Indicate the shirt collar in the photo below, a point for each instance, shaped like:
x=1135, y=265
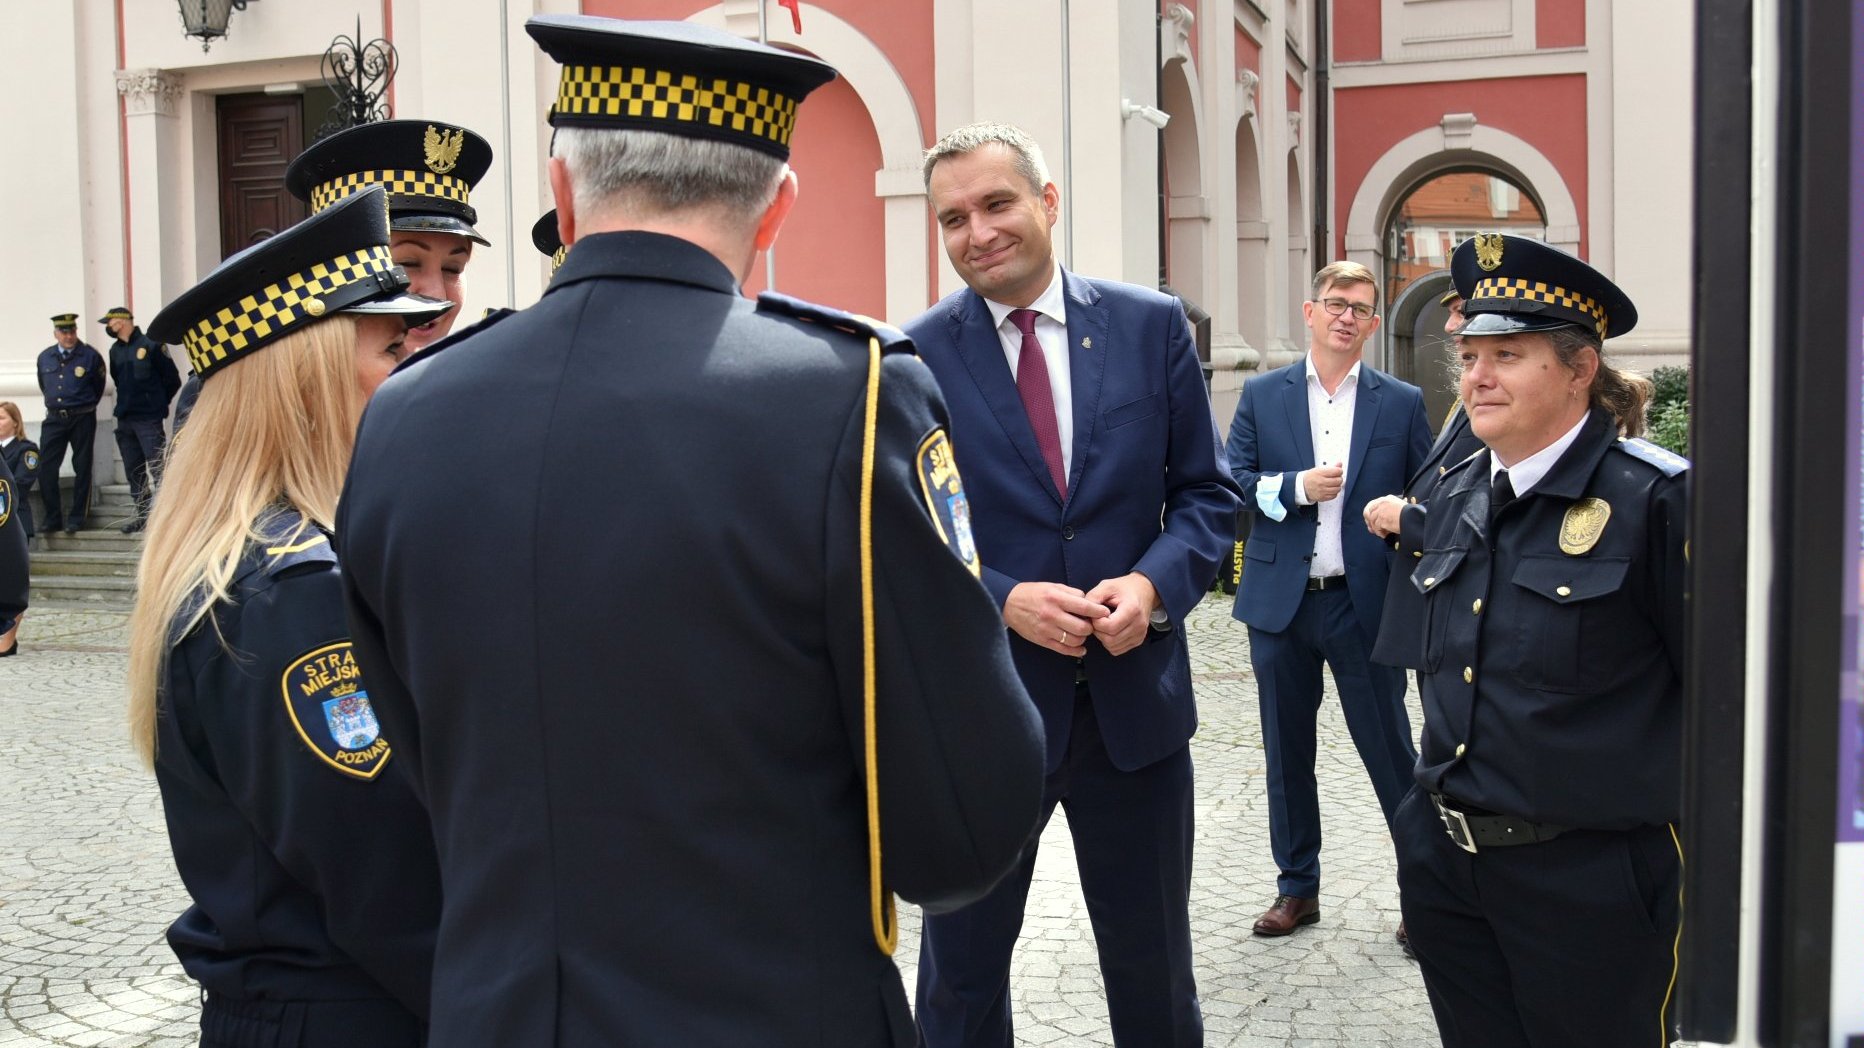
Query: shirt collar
x=1523, y=475
x=1352, y=373
x=1051, y=303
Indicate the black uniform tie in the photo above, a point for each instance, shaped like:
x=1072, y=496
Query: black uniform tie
x=1501, y=493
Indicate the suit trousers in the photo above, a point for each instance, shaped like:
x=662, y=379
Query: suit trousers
x=1132, y=837
x=1288, y=688
x=140, y=440
x=78, y=432
x=1565, y=942
x=230, y=1023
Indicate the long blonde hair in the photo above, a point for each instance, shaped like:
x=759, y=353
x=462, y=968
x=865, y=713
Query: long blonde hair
x=275, y=429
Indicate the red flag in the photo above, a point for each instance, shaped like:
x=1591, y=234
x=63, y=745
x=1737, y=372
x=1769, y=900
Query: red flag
x=796, y=14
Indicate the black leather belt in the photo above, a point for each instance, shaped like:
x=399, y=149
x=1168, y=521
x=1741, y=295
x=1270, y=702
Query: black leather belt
x=73, y=412
x=1471, y=832
x=1080, y=672
x=1325, y=582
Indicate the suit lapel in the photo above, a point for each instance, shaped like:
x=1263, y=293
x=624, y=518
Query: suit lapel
x=1088, y=346
x=981, y=349
x=1294, y=401
x=1365, y=420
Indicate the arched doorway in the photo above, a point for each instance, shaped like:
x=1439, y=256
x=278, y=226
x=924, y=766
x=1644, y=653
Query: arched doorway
x=1433, y=216
x=1187, y=215
x=1252, y=240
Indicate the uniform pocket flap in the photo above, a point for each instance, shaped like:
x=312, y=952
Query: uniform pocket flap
x=1435, y=568
x=1567, y=580
x=1259, y=549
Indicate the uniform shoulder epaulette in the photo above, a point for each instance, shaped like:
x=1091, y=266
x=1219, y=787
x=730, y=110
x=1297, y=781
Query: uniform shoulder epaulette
x=287, y=540
x=1462, y=464
x=892, y=339
x=1656, y=454
x=492, y=316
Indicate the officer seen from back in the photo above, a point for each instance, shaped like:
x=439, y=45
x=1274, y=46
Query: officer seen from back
x=748, y=681
x=146, y=380
x=1538, y=860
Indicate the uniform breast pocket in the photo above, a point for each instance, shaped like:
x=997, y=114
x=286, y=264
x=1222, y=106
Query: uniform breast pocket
x=1433, y=574
x=1131, y=411
x=1571, y=629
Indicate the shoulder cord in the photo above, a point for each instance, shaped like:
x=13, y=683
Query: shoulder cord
x=880, y=900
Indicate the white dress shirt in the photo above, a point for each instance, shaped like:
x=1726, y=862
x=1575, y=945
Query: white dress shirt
x=1330, y=423
x=1523, y=475
x=1052, y=333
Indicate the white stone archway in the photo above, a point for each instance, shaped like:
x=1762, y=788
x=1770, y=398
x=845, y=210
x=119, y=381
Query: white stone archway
x=1458, y=142
x=896, y=123
x=1187, y=206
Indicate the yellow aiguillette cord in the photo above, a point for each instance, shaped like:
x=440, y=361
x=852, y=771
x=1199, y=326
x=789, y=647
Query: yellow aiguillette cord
x=880, y=901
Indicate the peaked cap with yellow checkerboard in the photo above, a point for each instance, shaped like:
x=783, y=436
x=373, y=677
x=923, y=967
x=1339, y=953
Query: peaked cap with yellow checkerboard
x=1515, y=284
x=428, y=168
x=335, y=261
x=676, y=77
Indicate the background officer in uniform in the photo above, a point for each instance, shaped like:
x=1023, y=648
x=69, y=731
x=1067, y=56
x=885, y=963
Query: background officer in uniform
x=309, y=862
x=429, y=169
x=146, y=380
x=652, y=799
x=1538, y=861
x=71, y=376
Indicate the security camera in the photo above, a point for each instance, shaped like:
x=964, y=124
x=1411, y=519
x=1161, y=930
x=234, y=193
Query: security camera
x=1156, y=117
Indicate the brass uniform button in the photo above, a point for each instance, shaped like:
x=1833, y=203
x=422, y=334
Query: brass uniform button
x=1477, y=609
x=1429, y=582
x=1461, y=749
x=1564, y=591
x=1469, y=674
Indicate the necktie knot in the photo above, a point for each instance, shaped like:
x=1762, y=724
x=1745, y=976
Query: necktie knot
x=1025, y=320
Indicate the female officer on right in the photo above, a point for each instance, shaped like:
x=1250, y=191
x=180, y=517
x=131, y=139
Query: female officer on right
x=1538, y=860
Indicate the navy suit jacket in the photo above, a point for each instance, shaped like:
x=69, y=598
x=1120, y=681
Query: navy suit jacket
x=1271, y=434
x=1148, y=491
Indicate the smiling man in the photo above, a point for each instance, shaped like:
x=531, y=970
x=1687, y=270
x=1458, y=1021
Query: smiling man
x=1307, y=441
x=1101, y=504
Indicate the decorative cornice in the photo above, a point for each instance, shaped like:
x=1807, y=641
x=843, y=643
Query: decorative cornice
x=1175, y=34
x=149, y=91
x=1294, y=129
x=1457, y=129
x=1246, y=81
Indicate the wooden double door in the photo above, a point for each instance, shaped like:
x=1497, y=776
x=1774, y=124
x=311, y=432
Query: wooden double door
x=260, y=135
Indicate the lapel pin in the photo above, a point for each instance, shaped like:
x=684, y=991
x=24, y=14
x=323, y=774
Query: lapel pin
x=1087, y=343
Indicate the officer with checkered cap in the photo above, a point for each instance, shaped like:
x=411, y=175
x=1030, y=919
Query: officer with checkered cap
x=308, y=860
x=429, y=169
x=749, y=683
x=1539, y=862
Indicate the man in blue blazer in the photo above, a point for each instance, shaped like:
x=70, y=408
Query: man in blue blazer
x=1311, y=443
x=1101, y=504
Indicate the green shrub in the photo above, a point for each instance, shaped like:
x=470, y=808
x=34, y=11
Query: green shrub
x=1669, y=426
x=1670, y=386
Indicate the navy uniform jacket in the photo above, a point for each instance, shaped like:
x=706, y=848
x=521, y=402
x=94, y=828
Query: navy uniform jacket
x=74, y=382
x=1553, y=664
x=146, y=378
x=22, y=460
x=14, y=581
x=310, y=863
x=627, y=663
x=1401, y=625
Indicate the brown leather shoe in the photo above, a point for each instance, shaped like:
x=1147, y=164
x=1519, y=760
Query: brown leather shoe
x=1286, y=914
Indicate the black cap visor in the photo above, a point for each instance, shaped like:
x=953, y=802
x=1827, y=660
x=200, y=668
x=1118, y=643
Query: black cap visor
x=405, y=223
x=415, y=309
x=1510, y=324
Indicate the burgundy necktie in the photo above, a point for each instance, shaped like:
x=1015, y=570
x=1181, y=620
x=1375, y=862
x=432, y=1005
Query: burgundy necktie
x=1032, y=383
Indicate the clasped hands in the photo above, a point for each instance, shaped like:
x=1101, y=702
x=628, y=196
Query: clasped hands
x=1061, y=618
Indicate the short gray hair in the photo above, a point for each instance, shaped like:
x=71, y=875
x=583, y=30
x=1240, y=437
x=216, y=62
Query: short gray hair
x=973, y=137
x=654, y=174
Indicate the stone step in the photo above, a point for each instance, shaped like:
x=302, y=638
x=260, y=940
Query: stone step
x=84, y=590
x=91, y=540
x=110, y=563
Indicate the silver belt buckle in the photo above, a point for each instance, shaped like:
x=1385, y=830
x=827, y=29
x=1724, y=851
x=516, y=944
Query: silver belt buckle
x=1456, y=824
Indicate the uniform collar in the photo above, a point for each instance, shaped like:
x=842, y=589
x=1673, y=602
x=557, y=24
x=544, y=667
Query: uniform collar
x=646, y=256
x=1525, y=474
x=1568, y=476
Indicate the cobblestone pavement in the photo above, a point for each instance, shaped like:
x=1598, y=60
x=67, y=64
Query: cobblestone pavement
x=87, y=885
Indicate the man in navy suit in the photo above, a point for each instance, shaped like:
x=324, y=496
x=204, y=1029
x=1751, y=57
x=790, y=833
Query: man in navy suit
x=1310, y=440
x=1101, y=505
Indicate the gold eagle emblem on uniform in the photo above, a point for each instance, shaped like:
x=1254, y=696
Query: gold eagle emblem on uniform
x=1583, y=524
x=442, y=148
x=1489, y=251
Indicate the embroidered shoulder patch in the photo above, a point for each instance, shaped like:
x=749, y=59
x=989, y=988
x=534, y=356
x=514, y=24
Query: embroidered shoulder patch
x=32, y=460
x=944, y=492
x=327, y=704
x=6, y=502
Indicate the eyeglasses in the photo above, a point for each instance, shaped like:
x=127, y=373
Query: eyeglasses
x=1337, y=306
